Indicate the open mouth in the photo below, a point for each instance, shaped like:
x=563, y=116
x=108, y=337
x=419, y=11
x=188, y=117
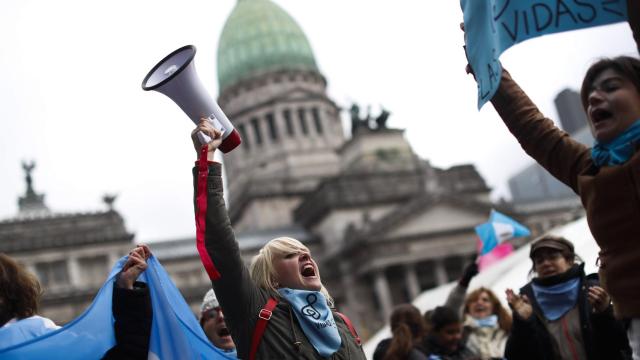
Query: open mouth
x=224, y=332
x=308, y=271
x=598, y=115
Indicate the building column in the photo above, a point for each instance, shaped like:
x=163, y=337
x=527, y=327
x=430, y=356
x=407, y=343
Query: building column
x=383, y=293
x=440, y=272
x=353, y=308
x=74, y=272
x=411, y=279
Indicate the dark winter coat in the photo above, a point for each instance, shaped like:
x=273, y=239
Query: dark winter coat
x=603, y=336
x=133, y=314
x=241, y=299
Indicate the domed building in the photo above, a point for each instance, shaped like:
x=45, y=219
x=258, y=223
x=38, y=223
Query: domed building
x=383, y=223
x=271, y=88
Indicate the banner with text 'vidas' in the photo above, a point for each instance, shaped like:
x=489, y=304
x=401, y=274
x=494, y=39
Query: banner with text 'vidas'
x=493, y=26
x=175, y=331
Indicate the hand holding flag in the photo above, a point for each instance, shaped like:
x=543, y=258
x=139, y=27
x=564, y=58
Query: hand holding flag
x=493, y=26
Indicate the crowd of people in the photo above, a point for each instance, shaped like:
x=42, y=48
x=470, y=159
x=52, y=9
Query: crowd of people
x=278, y=308
x=560, y=314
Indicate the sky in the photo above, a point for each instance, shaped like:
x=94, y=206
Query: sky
x=70, y=95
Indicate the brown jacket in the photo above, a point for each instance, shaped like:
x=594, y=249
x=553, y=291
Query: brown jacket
x=610, y=195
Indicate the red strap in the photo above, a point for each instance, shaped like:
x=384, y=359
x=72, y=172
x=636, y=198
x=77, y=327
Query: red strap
x=351, y=328
x=201, y=214
x=263, y=319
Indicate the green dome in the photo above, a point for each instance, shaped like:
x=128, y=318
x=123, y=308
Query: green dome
x=260, y=36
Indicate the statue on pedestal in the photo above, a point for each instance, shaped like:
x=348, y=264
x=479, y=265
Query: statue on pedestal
x=368, y=122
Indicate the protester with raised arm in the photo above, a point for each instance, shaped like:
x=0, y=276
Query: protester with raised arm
x=279, y=309
x=606, y=176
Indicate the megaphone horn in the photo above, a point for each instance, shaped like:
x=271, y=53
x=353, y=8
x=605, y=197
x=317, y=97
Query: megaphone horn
x=176, y=77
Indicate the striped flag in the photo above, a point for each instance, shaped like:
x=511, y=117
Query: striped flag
x=497, y=230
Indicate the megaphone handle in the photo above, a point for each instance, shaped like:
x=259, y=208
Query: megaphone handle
x=204, y=138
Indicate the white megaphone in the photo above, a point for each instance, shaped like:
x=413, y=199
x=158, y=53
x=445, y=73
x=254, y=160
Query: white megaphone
x=176, y=77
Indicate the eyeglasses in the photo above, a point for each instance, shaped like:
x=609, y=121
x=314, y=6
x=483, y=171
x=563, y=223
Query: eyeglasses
x=212, y=313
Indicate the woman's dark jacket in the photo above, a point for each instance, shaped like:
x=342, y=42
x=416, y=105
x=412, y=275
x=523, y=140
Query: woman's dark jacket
x=242, y=299
x=603, y=336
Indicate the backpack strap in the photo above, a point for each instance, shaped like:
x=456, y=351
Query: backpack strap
x=350, y=326
x=263, y=319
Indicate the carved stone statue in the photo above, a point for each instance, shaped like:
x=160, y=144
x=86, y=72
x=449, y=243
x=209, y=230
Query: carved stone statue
x=381, y=120
x=355, y=118
x=367, y=121
x=109, y=199
x=31, y=202
x=28, y=168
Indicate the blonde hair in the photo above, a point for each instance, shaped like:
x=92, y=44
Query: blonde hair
x=263, y=271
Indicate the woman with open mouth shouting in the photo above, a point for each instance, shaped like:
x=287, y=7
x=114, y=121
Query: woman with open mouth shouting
x=606, y=176
x=277, y=309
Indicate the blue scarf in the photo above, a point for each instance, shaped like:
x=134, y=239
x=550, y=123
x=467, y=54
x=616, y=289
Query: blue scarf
x=489, y=321
x=557, y=300
x=315, y=318
x=619, y=150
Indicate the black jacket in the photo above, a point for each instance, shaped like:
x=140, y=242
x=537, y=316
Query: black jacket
x=133, y=314
x=604, y=337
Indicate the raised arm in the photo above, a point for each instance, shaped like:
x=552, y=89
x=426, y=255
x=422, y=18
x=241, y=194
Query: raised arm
x=457, y=296
x=132, y=309
x=238, y=295
x=551, y=147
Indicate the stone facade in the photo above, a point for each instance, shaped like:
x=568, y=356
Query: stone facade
x=71, y=254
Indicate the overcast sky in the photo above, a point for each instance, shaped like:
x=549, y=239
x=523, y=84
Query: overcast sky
x=70, y=95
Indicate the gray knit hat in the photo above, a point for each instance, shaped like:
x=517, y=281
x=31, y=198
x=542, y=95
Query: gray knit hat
x=209, y=302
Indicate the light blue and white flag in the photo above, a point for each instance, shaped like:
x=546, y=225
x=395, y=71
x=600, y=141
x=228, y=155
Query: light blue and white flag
x=493, y=26
x=175, y=332
x=499, y=229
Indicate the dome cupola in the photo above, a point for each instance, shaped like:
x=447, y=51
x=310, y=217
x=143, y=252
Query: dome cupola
x=258, y=37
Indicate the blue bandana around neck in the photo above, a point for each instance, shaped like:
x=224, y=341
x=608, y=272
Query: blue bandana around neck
x=619, y=150
x=489, y=321
x=315, y=318
x=557, y=300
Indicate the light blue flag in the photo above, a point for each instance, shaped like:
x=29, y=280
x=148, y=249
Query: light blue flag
x=498, y=229
x=175, y=332
x=493, y=26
